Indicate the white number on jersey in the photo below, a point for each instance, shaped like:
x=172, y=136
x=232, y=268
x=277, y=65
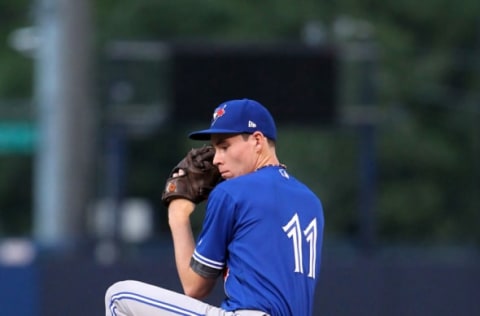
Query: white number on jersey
x=294, y=232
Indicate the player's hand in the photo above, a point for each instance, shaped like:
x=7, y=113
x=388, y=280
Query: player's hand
x=180, y=207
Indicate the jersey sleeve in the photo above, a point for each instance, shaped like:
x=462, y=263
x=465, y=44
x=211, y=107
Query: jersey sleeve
x=210, y=255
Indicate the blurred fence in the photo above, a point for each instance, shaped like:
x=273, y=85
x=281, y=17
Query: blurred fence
x=398, y=284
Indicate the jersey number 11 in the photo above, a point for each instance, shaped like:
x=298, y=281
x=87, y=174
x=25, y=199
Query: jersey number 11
x=295, y=233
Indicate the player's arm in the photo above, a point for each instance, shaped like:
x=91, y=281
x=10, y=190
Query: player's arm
x=193, y=284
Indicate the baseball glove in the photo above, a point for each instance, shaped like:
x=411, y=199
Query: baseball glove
x=193, y=178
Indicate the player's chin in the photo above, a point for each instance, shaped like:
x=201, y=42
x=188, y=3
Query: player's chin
x=226, y=175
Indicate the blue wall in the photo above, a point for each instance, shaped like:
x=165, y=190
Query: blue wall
x=19, y=290
x=399, y=285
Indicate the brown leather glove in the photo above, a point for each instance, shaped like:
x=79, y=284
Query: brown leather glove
x=197, y=180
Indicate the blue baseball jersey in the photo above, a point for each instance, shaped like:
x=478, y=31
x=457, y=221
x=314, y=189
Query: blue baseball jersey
x=264, y=232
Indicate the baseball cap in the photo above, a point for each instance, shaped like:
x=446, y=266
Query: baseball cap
x=239, y=116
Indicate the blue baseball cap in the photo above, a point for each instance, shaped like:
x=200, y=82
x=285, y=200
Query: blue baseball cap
x=239, y=116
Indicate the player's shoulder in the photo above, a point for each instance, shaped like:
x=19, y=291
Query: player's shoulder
x=229, y=191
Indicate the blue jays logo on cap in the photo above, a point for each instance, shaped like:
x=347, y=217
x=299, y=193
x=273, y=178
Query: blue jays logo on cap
x=219, y=112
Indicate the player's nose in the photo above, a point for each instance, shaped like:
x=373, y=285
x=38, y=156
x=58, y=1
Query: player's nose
x=216, y=159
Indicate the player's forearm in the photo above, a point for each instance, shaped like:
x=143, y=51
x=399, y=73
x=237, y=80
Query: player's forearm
x=179, y=220
x=184, y=245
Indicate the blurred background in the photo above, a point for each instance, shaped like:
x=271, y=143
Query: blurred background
x=378, y=110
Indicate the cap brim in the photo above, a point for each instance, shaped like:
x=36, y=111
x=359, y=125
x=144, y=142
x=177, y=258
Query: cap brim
x=207, y=133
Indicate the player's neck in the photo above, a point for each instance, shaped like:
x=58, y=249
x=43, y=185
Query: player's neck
x=269, y=160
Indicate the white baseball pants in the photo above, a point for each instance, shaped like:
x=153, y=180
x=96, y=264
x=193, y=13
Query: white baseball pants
x=134, y=298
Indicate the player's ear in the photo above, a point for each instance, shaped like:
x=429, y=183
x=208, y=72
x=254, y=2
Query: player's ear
x=259, y=138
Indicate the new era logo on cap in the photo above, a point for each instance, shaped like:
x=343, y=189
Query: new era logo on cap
x=239, y=116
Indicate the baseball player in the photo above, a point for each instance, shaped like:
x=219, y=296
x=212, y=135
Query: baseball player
x=262, y=232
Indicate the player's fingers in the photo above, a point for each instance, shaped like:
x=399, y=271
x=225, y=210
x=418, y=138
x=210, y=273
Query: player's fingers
x=180, y=173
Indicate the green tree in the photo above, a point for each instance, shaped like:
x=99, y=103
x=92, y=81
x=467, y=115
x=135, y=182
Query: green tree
x=427, y=91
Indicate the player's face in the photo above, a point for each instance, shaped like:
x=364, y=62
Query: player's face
x=234, y=155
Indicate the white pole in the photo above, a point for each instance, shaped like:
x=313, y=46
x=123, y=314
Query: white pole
x=66, y=142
